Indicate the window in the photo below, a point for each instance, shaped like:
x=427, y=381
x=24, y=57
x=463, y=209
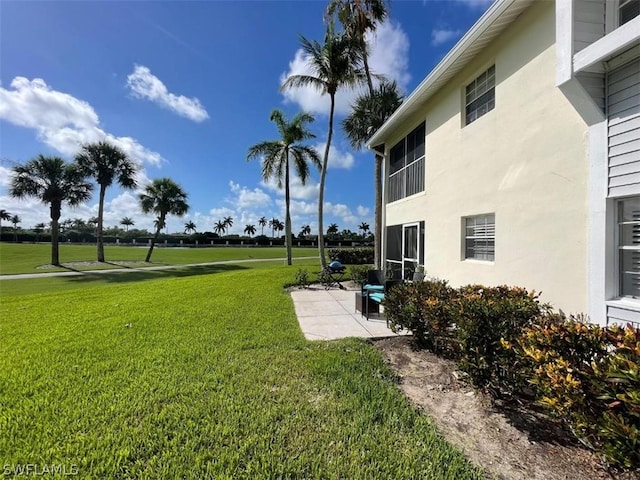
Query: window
x=404, y=249
x=480, y=96
x=627, y=11
x=406, y=165
x=480, y=237
x=629, y=247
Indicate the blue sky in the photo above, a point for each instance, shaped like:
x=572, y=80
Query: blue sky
x=185, y=88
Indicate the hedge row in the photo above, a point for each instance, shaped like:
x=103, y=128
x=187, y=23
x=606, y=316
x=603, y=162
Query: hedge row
x=509, y=343
x=352, y=256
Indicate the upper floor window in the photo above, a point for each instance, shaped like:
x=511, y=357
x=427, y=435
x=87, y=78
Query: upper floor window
x=406, y=165
x=628, y=10
x=480, y=97
x=480, y=237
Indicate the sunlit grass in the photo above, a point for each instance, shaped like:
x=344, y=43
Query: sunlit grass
x=201, y=376
x=26, y=258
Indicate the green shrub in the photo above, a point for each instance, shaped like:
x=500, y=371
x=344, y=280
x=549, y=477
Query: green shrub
x=589, y=377
x=352, y=256
x=423, y=308
x=302, y=278
x=358, y=273
x=488, y=319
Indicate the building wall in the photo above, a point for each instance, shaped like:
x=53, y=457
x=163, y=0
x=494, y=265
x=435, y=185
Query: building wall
x=525, y=161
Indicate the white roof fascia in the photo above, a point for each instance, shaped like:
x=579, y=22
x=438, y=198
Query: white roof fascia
x=432, y=83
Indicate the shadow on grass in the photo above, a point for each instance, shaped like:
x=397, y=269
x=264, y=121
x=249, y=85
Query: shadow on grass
x=127, y=275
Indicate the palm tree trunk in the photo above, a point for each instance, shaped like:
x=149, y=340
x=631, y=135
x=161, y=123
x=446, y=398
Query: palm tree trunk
x=287, y=200
x=55, y=216
x=99, y=235
x=367, y=72
x=323, y=176
x=377, y=241
x=153, y=244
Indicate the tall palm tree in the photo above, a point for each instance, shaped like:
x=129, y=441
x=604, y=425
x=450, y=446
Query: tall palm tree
x=333, y=66
x=127, y=222
x=162, y=197
x=276, y=155
x=364, y=227
x=228, y=223
x=306, y=230
x=272, y=223
x=15, y=219
x=53, y=182
x=250, y=229
x=220, y=227
x=190, y=227
x=106, y=163
x=4, y=215
x=38, y=229
x=368, y=113
x=279, y=226
x=263, y=223
x=357, y=18
x=332, y=230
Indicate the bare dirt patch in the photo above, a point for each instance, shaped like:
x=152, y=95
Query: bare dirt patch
x=509, y=443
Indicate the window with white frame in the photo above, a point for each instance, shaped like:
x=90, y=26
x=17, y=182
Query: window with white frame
x=406, y=165
x=480, y=96
x=627, y=11
x=480, y=237
x=629, y=247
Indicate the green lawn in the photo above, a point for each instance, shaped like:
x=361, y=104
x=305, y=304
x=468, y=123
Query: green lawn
x=25, y=258
x=213, y=379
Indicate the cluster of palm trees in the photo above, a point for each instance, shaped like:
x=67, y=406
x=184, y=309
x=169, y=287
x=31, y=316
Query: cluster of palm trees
x=55, y=182
x=340, y=61
x=14, y=219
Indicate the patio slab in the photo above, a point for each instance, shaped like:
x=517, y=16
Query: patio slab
x=331, y=314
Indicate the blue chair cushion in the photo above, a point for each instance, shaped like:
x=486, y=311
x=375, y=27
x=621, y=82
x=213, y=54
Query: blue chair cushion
x=377, y=297
x=374, y=288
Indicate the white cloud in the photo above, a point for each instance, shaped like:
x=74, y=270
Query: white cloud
x=5, y=177
x=143, y=84
x=246, y=198
x=297, y=190
x=337, y=158
x=443, y=35
x=389, y=47
x=62, y=121
x=362, y=211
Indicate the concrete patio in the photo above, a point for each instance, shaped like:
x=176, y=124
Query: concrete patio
x=331, y=314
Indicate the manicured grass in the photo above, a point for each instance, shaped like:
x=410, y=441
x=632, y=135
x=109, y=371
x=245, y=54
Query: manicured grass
x=25, y=258
x=56, y=284
x=212, y=379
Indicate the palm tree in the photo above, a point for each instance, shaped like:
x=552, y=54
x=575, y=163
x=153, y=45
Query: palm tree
x=306, y=230
x=357, y=18
x=277, y=153
x=332, y=230
x=279, y=226
x=38, y=229
x=15, y=219
x=127, y=222
x=364, y=227
x=250, y=229
x=4, y=215
x=190, y=227
x=162, y=197
x=220, y=227
x=368, y=114
x=106, y=163
x=263, y=223
x=53, y=182
x=228, y=223
x=333, y=66
x=272, y=223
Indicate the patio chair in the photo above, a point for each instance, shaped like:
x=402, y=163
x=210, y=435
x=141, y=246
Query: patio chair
x=375, y=282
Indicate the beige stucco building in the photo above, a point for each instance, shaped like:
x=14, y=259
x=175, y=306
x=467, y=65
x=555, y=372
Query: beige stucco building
x=500, y=168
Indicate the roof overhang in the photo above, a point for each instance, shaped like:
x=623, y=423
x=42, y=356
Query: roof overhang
x=501, y=14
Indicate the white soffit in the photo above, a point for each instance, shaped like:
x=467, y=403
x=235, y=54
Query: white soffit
x=500, y=15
